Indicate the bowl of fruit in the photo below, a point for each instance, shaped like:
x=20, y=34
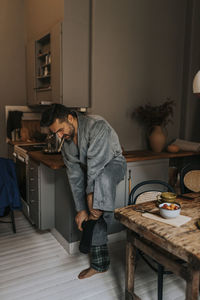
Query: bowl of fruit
x=169, y=210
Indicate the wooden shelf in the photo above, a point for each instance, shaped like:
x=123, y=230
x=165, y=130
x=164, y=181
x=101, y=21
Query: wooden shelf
x=45, y=65
x=43, y=89
x=42, y=55
x=43, y=77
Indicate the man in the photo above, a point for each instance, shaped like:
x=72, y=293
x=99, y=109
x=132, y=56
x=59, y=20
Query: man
x=95, y=165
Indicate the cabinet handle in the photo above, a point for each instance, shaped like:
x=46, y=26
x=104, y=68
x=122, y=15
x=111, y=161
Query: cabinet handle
x=31, y=168
x=32, y=179
x=32, y=201
x=32, y=190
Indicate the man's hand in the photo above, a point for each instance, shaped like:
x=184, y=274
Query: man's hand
x=95, y=214
x=80, y=217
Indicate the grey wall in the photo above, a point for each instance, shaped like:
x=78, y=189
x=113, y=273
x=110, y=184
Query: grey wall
x=190, y=125
x=140, y=51
x=12, y=60
x=137, y=56
x=40, y=16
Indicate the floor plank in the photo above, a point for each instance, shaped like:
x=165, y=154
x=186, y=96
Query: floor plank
x=35, y=266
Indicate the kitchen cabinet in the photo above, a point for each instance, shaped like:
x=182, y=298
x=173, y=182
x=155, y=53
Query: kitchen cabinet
x=76, y=51
x=64, y=205
x=43, y=66
x=58, y=61
x=41, y=191
x=141, y=165
x=65, y=211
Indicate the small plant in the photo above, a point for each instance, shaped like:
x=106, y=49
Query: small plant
x=152, y=115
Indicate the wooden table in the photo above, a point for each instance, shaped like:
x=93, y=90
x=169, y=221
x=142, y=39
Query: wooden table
x=164, y=243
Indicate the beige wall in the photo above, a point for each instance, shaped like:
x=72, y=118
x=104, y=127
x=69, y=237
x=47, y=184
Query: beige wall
x=137, y=56
x=12, y=60
x=137, y=50
x=41, y=15
x=190, y=125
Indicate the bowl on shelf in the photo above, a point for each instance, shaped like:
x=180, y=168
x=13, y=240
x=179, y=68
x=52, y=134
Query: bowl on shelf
x=173, y=148
x=169, y=210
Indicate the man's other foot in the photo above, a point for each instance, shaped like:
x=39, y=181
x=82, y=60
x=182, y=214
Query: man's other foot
x=88, y=273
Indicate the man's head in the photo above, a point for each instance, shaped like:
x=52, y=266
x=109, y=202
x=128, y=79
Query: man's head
x=60, y=120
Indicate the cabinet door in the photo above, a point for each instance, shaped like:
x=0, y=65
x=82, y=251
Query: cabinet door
x=30, y=73
x=120, y=201
x=47, y=197
x=76, y=53
x=56, y=67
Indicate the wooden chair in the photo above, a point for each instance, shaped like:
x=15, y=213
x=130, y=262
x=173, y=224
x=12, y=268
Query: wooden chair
x=190, y=178
x=143, y=192
x=9, y=192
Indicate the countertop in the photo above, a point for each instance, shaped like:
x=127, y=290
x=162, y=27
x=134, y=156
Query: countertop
x=55, y=161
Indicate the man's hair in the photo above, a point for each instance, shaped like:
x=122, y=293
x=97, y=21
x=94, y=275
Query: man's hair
x=55, y=111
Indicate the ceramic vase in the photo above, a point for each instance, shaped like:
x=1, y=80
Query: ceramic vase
x=157, y=139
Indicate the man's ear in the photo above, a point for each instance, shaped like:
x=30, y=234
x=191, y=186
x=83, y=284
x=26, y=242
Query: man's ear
x=70, y=118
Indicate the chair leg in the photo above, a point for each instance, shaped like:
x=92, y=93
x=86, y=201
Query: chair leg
x=160, y=281
x=13, y=220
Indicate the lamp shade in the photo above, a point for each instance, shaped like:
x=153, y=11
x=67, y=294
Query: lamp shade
x=196, y=83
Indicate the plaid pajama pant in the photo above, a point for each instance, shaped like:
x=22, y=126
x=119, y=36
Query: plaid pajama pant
x=100, y=259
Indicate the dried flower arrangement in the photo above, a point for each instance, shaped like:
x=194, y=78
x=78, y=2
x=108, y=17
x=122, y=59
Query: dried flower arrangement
x=152, y=115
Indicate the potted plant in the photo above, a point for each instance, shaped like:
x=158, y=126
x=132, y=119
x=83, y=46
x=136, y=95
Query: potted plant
x=155, y=118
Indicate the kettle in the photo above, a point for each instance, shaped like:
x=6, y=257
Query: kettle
x=53, y=143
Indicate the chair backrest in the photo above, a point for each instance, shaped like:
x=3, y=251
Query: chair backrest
x=190, y=178
x=148, y=191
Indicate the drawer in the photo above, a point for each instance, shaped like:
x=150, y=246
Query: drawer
x=33, y=169
x=33, y=182
x=33, y=196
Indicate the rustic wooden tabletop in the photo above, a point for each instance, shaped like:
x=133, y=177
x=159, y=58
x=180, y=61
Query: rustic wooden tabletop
x=183, y=241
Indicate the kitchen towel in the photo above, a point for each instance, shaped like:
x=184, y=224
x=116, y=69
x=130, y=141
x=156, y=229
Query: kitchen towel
x=13, y=122
x=177, y=222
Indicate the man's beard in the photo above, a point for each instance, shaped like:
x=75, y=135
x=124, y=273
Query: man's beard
x=69, y=137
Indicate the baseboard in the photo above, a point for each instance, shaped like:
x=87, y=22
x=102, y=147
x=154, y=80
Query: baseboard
x=73, y=247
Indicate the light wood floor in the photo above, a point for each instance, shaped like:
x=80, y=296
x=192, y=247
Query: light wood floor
x=34, y=266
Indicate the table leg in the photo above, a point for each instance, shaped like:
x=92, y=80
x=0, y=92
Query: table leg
x=192, y=285
x=130, y=271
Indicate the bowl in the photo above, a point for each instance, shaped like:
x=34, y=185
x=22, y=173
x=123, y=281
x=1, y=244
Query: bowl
x=169, y=210
x=167, y=197
x=173, y=148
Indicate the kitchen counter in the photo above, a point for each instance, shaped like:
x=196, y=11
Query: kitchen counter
x=55, y=161
x=141, y=155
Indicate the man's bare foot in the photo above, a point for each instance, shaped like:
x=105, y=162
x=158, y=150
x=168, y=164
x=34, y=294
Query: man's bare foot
x=88, y=273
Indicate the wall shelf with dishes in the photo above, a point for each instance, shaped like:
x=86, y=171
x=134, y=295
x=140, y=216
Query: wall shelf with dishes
x=43, y=63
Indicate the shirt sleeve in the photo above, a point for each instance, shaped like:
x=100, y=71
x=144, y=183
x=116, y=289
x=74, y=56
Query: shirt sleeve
x=76, y=179
x=99, y=152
